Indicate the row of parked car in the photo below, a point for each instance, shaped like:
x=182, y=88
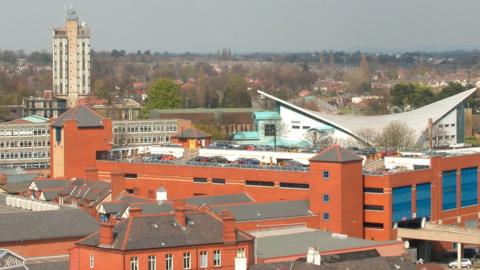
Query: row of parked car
x=244, y=161
x=157, y=158
x=227, y=145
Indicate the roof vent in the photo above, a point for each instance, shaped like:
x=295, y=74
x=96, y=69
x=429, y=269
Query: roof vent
x=339, y=236
x=155, y=226
x=190, y=222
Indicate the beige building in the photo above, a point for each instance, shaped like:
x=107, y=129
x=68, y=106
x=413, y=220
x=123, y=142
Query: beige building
x=71, y=60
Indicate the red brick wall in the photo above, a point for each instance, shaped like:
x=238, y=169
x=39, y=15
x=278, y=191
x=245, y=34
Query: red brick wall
x=107, y=259
x=41, y=248
x=80, y=146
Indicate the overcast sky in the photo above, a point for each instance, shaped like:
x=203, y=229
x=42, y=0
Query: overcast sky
x=248, y=25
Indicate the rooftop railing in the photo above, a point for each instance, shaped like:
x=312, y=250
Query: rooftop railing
x=209, y=164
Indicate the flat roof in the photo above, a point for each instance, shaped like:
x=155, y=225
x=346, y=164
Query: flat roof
x=298, y=243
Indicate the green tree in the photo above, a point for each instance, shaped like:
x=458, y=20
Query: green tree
x=163, y=94
x=236, y=94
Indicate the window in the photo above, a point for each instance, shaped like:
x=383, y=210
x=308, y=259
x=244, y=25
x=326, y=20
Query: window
x=449, y=190
x=92, y=260
x=218, y=180
x=326, y=198
x=168, y=262
x=372, y=225
x=306, y=127
x=187, y=260
x=326, y=175
x=131, y=175
x=269, y=130
x=241, y=252
x=326, y=216
x=217, y=258
x=58, y=134
x=401, y=203
x=259, y=183
x=152, y=262
x=203, y=259
x=372, y=190
x=295, y=127
x=373, y=207
x=200, y=180
x=134, y=263
x=294, y=185
x=469, y=183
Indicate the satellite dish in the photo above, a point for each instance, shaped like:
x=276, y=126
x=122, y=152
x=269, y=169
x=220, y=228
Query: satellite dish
x=406, y=244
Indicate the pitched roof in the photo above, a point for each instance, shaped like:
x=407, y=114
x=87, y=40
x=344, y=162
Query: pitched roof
x=219, y=199
x=44, y=225
x=336, y=153
x=192, y=133
x=84, y=116
x=51, y=184
x=160, y=231
x=270, y=210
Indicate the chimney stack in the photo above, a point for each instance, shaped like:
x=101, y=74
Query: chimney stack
x=91, y=174
x=117, y=181
x=106, y=234
x=229, y=234
x=179, y=207
x=135, y=211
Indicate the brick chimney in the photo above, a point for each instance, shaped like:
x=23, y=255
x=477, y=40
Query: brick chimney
x=91, y=174
x=3, y=179
x=229, y=234
x=106, y=234
x=135, y=212
x=179, y=207
x=112, y=219
x=117, y=181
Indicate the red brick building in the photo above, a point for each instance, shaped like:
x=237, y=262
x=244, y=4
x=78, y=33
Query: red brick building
x=76, y=136
x=186, y=239
x=340, y=196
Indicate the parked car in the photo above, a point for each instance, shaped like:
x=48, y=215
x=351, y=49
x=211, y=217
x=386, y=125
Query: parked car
x=292, y=163
x=167, y=157
x=218, y=159
x=200, y=159
x=247, y=161
x=466, y=263
x=151, y=159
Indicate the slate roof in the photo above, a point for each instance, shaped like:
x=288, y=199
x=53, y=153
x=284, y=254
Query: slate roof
x=92, y=192
x=84, y=117
x=367, y=263
x=15, y=188
x=21, y=178
x=159, y=231
x=270, y=210
x=50, y=195
x=298, y=243
x=51, y=184
x=45, y=225
x=219, y=199
x=336, y=153
x=49, y=266
x=192, y=133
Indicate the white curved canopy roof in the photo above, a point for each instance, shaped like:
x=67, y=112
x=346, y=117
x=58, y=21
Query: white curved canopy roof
x=417, y=119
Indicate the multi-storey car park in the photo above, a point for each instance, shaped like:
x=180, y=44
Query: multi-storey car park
x=340, y=194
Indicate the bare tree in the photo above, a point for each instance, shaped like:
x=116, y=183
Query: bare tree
x=396, y=135
x=319, y=138
x=274, y=129
x=438, y=137
x=368, y=135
